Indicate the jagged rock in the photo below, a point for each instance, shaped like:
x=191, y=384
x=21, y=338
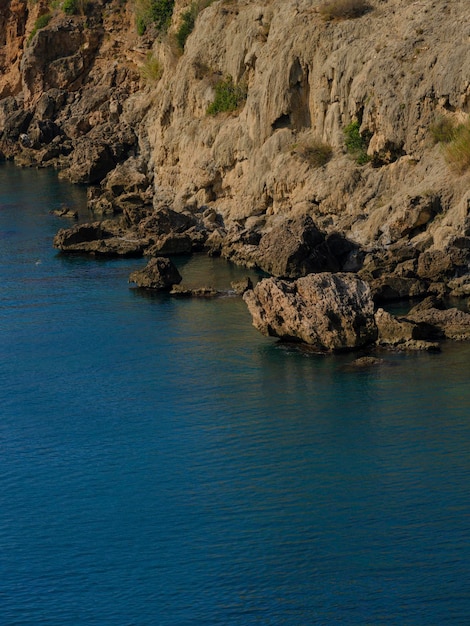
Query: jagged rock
x=42, y=132
x=104, y=239
x=125, y=189
x=401, y=332
x=391, y=287
x=460, y=287
x=49, y=104
x=450, y=323
x=65, y=212
x=293, y=249
x=328, y=311
x=59, y=56
x=15, y=125
x=411, y=214
x=91, y=161
x=159, y=274
x=166, y=221
x=240, y=286
x=431, y=302
x=173, y=243
x=442, y=265
x=417, y=345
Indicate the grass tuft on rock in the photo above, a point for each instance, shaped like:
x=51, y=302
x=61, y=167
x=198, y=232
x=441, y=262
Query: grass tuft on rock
x=315, y=152
x=151, y=70
x=343, y=9
x=443, y=130
x=457, y=151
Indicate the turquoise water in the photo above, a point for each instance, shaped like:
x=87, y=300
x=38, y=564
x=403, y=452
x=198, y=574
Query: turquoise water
x=164, y=464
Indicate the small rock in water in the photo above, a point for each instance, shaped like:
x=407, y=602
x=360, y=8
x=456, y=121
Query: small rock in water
x=159, y=274
x=366, y=362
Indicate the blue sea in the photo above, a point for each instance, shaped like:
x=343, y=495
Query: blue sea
x=163, y=464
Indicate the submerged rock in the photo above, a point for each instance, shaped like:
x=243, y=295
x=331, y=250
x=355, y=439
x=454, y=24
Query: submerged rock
x=330, y=312
x=366, y=362
x=198, y=292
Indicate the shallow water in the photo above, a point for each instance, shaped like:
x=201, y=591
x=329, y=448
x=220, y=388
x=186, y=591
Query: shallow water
x=164, y=464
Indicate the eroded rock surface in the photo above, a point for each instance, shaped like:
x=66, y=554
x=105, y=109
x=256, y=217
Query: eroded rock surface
x=159, y=274
x=327, y=311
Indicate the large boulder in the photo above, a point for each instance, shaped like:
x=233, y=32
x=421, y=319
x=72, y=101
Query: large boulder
x=330, y=312
x=293, y=248
x=159, y=274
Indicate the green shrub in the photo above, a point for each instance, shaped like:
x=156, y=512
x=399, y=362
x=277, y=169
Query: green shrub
x=75, y=7
x=315, y=152
x=442, y=130
x=343, y=9
x=188, y=19
x=162, y=10
x=457, y=151
x=357, y=144
x=228, y=96
x=156, y=12
x=41, y=22
x=70, y=7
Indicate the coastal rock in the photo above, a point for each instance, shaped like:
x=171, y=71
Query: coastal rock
x=240, y=286
x=170, y=244
x=330, y=312
x=274, y=183
x=402, y=333
x=65, y=212
x=105, y=239
x=366, y=362
x=90, y=163
x=450, y=323
x=59, y=56
x=166, y=221
x=460, y=287
x=159, y=274
x=294, y=248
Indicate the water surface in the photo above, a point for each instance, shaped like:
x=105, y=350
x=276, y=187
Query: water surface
x=163, y=464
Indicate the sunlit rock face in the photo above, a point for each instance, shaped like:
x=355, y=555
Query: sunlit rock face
x=330, y=312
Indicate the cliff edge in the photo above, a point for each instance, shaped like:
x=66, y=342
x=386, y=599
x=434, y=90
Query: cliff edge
x=252, y=116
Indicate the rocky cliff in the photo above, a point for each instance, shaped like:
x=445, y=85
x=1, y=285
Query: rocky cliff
x=268, y=113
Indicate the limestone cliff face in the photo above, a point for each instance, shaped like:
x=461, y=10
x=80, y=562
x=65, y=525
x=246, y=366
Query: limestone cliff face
x=395, y=70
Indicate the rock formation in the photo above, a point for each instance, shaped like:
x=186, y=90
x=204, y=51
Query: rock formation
x=327, y=311
x=337, y=144
x=159, y=274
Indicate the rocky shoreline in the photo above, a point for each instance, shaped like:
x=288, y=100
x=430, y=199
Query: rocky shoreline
x=164, y=177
